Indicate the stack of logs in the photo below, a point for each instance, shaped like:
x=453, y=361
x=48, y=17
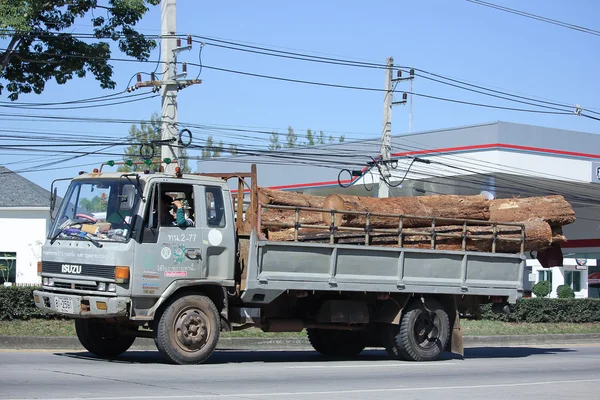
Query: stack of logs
x=543, y=218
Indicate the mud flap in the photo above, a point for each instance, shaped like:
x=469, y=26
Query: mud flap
x=456, y=340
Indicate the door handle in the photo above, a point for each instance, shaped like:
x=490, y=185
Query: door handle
x=193, y=254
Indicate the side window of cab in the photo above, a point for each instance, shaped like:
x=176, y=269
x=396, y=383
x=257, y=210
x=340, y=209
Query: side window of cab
x=215, y=207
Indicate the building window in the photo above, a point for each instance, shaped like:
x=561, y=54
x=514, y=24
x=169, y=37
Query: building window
x=545, y=276
x=573, y=279
x=8, y=267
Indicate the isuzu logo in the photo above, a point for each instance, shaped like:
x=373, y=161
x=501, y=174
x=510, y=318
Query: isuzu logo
x=71, y=269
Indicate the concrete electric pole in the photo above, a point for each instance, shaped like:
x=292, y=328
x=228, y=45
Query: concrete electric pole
x=170, y=83
x=386, y=134
x=169, y=88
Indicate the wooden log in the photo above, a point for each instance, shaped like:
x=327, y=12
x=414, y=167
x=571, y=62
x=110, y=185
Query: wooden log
x=285, y=198
x=447, y=206
x=553, y=209
x=289, y=217
x=538, y=236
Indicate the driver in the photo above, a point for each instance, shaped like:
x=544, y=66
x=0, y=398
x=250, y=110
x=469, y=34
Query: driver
x=167, y=218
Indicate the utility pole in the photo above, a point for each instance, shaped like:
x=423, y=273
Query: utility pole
x=386, y=134
x=168, y=30
x=170, y=84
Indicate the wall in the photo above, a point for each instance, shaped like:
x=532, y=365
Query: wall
x=24, y=230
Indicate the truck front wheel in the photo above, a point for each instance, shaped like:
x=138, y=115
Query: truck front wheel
x=422, y=334
x=188, y=330
x=101, y=338
x=336, y=343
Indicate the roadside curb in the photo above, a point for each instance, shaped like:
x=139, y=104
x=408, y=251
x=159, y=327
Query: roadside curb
x=250, y=343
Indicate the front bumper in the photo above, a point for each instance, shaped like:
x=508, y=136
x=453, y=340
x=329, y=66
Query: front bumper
x=81, y=306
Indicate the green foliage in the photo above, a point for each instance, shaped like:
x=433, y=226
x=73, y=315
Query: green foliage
x=291, y=139
x=310, y=138
x=548, y=310
x=17, y=303
x=95, y=204
x=565, y=292
x=274, y=139
x=148, y=132
x=321, y=138
x=210, y=150
x=542, y=289
x=41, y=45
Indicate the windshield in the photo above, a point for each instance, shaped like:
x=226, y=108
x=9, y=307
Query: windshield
x=97, y=210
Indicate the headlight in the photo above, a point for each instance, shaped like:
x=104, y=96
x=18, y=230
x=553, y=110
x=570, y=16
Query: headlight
x=50, y=281
x=112, y=287
x=101, y=286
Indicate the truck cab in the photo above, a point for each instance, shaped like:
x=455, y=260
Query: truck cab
x=115, y=251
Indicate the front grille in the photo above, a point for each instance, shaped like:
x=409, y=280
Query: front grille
x=77, y=286
x=99, y=271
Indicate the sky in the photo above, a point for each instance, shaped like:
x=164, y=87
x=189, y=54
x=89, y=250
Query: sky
x=454, y=38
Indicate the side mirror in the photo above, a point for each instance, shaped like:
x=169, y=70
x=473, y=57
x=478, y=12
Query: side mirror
x=53, y=196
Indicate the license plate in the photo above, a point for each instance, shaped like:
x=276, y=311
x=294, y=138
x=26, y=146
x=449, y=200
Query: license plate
x=64, y=304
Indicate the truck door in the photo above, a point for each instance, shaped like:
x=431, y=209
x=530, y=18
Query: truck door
x=167, y=251
x=215, y=219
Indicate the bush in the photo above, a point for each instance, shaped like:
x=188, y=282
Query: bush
x=565, y=292
x=542, y=289
x=17, y=303
x=547, y=310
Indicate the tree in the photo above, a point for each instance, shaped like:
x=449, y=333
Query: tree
x=274, y=139
x=42, y=47
x=233, y=149
x=148, y=132
x=210, y=150
x=95, y=204
x=310, y=138
x=291, y=139
x=321, y=138
x=218, y=150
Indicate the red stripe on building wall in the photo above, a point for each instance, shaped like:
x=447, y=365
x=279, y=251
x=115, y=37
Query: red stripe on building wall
x=487, y=146
x=580, y=243
x=494, y=146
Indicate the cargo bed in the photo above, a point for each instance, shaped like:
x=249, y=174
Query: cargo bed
x=275, y=267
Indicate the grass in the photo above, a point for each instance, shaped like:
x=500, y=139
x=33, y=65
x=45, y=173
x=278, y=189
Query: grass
x=46, y=327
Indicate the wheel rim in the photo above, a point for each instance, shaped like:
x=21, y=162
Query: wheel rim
x=426, y=330
x=192, y=329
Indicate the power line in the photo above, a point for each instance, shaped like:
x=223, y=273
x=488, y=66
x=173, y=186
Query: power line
x=537, y=17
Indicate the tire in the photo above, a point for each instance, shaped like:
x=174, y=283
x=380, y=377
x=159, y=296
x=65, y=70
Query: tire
x=188, y=330
x=421, y=336
x=336, y=343
x=102, y=339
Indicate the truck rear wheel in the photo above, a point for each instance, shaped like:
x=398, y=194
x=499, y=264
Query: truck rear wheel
x=336, y=343
x=101, y=338
x=188, y=330
x=422, y=334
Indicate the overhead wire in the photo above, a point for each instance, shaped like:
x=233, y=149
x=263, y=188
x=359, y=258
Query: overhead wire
x=537, y=17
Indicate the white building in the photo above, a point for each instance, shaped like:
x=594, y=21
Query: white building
x=24, y=223
x=574, y=273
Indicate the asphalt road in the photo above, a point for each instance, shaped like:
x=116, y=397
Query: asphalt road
x=484, y=373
